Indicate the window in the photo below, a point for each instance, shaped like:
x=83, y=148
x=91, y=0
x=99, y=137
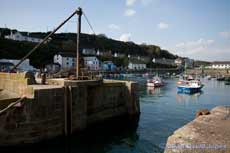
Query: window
x=67, y=58
x=67, y=63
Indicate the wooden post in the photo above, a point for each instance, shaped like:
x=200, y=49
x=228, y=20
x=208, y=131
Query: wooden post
x=79, y=13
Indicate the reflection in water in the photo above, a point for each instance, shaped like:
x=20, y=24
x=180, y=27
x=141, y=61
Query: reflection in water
x=183, y=97
x=153, y=91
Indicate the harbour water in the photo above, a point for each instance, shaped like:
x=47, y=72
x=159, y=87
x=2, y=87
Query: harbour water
x=163, y=110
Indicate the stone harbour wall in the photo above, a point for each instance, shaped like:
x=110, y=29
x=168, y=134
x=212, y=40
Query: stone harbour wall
x=208, y=133
x=37, y=119
x=66, y=107
x=16, y=83
x=212, y=72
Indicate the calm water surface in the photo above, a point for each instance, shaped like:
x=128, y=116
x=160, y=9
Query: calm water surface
x=162, y=112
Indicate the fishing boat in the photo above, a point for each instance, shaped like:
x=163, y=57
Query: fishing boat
x=189, y=86
x=155, y=82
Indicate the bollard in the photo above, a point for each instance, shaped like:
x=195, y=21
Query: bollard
x=43, y=78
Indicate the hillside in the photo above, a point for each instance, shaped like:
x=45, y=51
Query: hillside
x=67, y=42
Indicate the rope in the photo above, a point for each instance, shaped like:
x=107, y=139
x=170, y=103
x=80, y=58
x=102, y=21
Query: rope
x=11, y=105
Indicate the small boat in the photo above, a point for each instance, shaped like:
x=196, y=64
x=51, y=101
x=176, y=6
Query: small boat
x=145, y=75
x=155, y=82
x=189, y=86
x=209, y=77
x=220, y=78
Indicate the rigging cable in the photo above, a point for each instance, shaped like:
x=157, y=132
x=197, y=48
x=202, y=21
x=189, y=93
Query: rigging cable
x=94, y=33
x=90, y=25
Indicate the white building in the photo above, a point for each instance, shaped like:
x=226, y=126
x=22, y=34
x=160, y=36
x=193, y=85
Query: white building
x=19, y=37
x=136, y=65
x=24, y=66
x=164, y=61
x=178, y=61
x=92, y=63
x=98, y=52
x=89, y=51
x=220, y=65
x=67, y=60
x=118, y=55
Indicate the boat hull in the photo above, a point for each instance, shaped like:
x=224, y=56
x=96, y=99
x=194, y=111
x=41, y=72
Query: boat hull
x=154, y=84
x=189, y=89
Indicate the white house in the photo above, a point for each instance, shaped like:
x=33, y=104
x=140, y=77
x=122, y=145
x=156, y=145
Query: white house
x=24, y=66
x=19, y=37
x=164, y=61
x=67, y=60
x=118, y=55
x=178, y=61
x=89, y=51
x=92, y=63
x=136, y=65
x=98, y=52
x=220, y=65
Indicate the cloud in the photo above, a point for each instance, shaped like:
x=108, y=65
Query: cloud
x=225, y=34
x=143, y=2
x=130, y=2
x=192, y=47
x=192, y=44
x=130, y=12
x=163, y=25
x=113, y=27
x=146, y=2
x=205, y=49
x=125, y=37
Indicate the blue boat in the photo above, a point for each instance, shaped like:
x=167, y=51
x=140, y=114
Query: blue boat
x=190, y=86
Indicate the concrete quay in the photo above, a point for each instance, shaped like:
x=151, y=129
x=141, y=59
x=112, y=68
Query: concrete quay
x=205, y=134
x=60, y=108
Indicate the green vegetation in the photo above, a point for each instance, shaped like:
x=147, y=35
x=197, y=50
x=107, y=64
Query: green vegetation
x=201, y=63
x=67, y=42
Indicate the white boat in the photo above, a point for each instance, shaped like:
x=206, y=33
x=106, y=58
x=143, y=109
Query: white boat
x=155, y=82
x=209, y=77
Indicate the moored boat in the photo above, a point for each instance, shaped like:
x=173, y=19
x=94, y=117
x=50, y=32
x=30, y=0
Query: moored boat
x=189, y=86
x=155, y=82
x=209, y=77
x=220, y=78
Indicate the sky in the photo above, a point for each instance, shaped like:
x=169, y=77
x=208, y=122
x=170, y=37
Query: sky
x=198, y=29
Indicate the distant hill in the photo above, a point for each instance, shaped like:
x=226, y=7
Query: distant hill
x=67, y=42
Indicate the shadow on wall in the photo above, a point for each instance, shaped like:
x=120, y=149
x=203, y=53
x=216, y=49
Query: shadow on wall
x=93, y=139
